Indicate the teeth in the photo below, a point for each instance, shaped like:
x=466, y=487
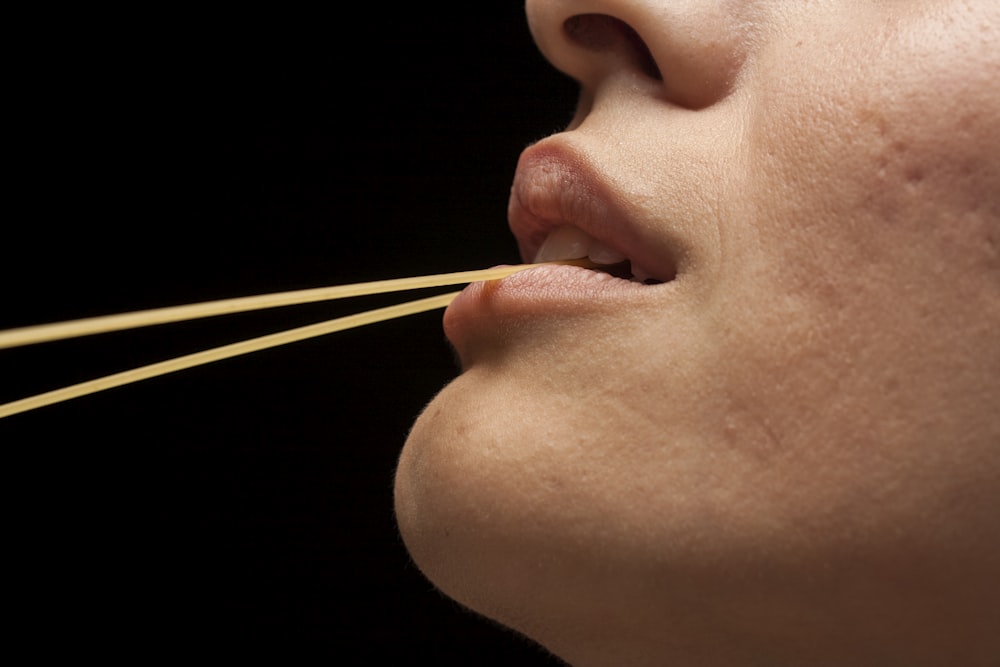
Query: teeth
x=602, y=254
x=564, y=243
x=574, y=243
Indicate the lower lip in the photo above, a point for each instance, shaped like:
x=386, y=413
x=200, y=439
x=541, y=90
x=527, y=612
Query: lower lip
x=546, y=291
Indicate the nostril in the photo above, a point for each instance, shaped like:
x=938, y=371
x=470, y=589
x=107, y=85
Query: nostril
x=602, y=33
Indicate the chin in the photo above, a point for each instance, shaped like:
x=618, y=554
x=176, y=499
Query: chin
x=605, y=557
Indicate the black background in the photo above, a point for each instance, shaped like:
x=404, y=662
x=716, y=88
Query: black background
x=245, y=508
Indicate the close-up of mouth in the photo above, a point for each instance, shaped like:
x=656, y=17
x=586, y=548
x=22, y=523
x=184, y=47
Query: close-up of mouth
x=567, y=242
x=561, y=208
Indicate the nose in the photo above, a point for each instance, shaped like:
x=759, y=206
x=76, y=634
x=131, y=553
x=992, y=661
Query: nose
x=692, y=50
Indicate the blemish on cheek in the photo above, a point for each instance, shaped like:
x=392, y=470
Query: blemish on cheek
x=882, y=164
x=991, y=251
x=914, y=176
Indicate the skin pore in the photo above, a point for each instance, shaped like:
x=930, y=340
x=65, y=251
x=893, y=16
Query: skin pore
x=788, y=451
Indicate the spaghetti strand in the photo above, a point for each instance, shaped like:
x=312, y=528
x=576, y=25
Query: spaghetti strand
x=225, y=352
x=84, y=327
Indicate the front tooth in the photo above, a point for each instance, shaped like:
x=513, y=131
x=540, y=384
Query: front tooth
x=602, y=254
x=564, y=243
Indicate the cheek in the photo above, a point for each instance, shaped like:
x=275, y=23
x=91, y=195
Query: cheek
x=863, y=271
x=871, y=197
x=875, y=139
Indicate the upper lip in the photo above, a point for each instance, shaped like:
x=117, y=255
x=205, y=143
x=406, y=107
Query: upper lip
x=554, y=186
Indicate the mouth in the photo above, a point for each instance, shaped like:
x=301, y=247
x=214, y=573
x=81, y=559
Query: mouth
x=562, y=208
x=567, y=242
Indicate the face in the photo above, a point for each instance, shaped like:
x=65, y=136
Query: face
x=784, y=430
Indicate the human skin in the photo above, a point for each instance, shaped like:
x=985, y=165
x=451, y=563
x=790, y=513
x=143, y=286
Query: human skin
x=788, y=452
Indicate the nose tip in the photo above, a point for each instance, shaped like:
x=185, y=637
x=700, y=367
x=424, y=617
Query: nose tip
x=693, y=49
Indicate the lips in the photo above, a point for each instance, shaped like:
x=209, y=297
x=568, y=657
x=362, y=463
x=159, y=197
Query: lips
x=560, y=209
